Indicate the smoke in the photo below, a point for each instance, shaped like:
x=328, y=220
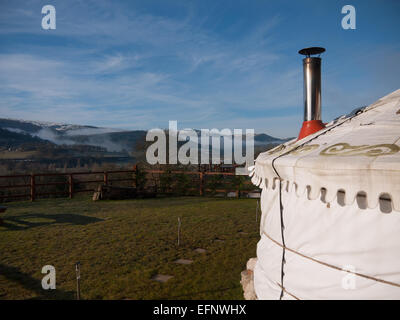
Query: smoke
x=48, y=134
x=89, y=131
x=102, y=140
x=16, y=130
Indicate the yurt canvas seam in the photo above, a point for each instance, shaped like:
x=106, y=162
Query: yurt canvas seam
x=360, y=111
x=284, y=289
x=330, y=265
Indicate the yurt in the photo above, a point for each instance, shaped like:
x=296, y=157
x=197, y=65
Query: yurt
x=330, y=202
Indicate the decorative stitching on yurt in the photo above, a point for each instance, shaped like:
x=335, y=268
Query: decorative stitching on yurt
x=280, y=187
x=331, y=265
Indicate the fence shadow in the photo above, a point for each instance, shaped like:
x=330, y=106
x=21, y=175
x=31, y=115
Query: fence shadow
x=28, y=282
x=22, y=222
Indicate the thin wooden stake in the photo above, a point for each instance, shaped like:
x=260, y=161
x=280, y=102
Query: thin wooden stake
x=78, y=280
x=179, y=231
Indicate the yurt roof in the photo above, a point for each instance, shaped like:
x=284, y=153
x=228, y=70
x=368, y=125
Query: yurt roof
x=357, y=153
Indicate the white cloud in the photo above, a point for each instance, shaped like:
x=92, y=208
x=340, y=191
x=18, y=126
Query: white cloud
x=108, y=66
x=129, y=87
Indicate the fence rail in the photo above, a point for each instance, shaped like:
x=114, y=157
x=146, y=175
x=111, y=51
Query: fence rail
x=71, y=180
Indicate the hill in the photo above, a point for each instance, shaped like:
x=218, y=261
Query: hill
x=47, y=141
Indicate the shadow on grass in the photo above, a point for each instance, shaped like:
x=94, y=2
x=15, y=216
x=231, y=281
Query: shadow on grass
x=162, y=201
x=22, y=223
x=34, y=285
x=190, y=295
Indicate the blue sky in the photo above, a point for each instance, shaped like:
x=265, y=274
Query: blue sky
x=207, y=64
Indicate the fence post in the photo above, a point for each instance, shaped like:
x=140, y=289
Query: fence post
x=201, y=183
x=32, y=187
x=105, y=177
x=135, y=169
x=71, y=186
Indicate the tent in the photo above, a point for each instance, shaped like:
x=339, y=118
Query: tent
x=330, y=225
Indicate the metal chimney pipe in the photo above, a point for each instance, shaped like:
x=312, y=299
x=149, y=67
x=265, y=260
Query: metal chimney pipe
x=312, y=88
x=312, y=91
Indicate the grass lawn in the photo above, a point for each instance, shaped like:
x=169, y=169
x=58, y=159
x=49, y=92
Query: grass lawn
x=122, y=244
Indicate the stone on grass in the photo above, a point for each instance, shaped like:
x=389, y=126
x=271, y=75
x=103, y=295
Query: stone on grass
x=200, y=250
x=247, y=280
x=219, y=240
x=184, y=261
x=251, y=264
x=161, y=278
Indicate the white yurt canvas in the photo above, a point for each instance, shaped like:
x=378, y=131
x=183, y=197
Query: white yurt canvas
x=330, y=226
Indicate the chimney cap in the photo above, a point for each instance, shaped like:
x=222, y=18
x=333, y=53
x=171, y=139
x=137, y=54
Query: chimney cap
x=312, y=50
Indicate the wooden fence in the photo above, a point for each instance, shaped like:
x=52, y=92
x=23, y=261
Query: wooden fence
x=70, y=182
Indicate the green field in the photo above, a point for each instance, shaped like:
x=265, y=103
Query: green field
x=122, y=244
